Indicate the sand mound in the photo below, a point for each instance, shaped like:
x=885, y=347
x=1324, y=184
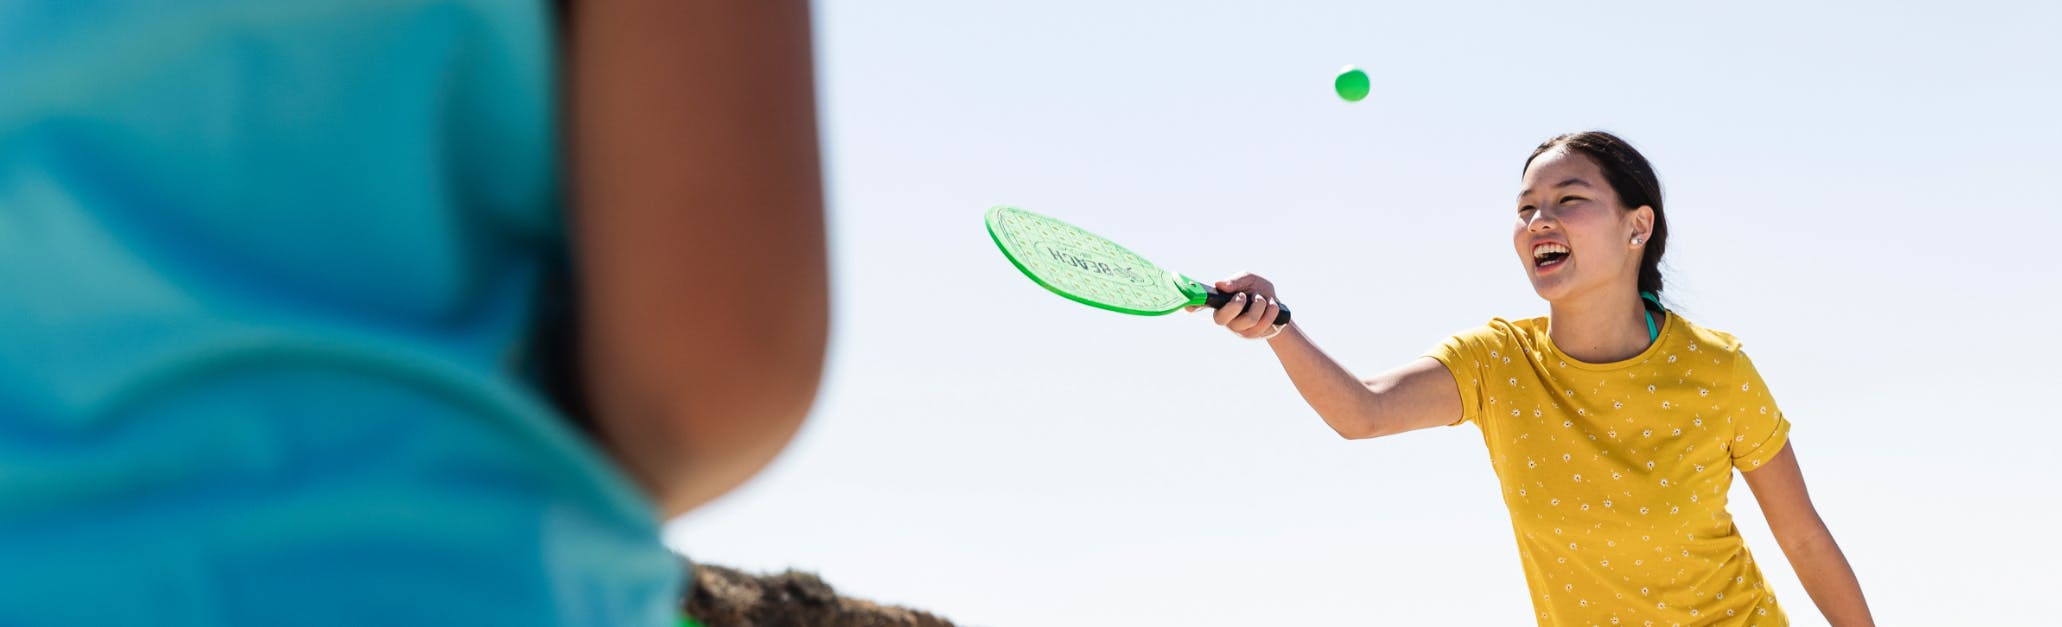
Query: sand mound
x=725, y=597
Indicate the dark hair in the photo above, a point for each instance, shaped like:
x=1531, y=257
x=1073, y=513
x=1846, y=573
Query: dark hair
x=1632, y=178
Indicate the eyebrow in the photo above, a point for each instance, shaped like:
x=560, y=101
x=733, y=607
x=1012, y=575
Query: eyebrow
x=1568, y=182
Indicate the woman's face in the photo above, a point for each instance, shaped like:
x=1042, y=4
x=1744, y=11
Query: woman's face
x=1572, y=235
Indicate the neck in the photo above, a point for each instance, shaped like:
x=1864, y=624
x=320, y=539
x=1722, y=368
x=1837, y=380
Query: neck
x=1601, y=327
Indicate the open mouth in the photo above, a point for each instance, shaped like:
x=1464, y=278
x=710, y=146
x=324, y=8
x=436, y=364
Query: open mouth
x=1549, y=254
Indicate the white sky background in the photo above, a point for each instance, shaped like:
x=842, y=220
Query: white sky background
x=1870, y=196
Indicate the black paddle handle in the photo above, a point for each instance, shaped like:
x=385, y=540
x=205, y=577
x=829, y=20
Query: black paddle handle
x=1217, y=300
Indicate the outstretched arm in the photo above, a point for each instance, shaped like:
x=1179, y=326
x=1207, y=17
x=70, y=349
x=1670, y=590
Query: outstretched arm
x=1418, y=395
x=1779, y=486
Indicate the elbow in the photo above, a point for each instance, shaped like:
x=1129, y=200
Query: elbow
x=1361, y=420
x=705, y=448
x=1808, y=539
x=1359, y=429
x=692, y=437
x=716, y=449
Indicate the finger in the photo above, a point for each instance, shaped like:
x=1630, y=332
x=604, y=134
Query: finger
x=1266, y=323
x=1251, y=316
x=1231, y=309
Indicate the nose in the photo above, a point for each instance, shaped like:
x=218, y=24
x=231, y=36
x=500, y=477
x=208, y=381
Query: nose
x=1539, y=222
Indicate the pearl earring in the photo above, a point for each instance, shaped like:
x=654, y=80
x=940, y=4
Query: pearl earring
x=1635, y=241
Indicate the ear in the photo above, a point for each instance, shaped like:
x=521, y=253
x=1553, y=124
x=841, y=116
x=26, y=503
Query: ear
x=1643, y=224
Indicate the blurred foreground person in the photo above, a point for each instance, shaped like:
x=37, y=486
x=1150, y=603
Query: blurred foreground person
x=393, y=313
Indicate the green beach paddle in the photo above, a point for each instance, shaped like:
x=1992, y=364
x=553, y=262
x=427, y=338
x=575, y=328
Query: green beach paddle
x=1093, y=271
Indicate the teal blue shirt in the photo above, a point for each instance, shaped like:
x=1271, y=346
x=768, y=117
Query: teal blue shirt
x=267, y=271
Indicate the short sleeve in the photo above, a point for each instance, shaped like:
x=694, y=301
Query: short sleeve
x=1759, y=430
x=1472, y=356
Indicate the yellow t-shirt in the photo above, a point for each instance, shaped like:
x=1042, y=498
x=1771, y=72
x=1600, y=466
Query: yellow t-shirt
x=1616, y=474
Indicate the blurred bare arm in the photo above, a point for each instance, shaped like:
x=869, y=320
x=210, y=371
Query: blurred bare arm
x=697, y=217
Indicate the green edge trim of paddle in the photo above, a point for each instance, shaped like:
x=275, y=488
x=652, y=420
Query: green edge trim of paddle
x=1142, y=281
x=1089, y=269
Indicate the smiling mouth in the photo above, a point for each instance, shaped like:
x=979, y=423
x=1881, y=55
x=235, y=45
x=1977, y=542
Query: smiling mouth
x=1548, y=254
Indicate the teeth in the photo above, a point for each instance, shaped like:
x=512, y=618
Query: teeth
x=1544, y=249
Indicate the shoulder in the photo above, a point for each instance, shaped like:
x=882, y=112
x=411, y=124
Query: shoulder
x=1503, y=331
x=1495, y=340
x=1700, y=338
x=1519, y=329
x=1724, y=350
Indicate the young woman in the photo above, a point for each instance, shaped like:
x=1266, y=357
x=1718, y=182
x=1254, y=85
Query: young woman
x=1614, y=425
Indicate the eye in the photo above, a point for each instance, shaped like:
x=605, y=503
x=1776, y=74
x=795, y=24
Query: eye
x=1571, y=199
x=1526, y=208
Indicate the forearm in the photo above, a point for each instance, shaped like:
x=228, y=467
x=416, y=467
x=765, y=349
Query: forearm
x=1829, y=579
x=1343, y=401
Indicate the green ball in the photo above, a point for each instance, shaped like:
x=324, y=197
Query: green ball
x=1352, y=84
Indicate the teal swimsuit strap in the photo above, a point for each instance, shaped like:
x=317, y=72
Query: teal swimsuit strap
x=1652, y=333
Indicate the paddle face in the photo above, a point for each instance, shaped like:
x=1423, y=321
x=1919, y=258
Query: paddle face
x=1088, y=269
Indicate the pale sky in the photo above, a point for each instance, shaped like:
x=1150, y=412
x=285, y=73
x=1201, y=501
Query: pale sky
x=1868, y=195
